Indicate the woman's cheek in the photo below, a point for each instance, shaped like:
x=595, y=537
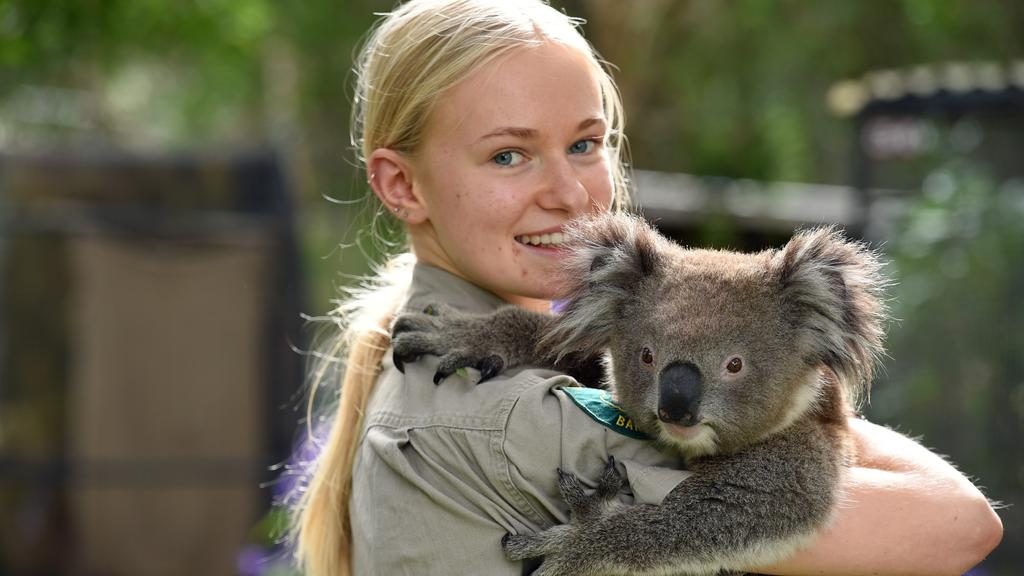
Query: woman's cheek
x=504, y=202
x=600, y=187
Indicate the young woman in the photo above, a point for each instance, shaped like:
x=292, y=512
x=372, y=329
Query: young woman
x=485, y=126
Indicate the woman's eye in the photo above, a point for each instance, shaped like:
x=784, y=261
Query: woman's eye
x=508, y=158
x=582, y=146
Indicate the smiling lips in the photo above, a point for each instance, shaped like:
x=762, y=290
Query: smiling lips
x=555, y=239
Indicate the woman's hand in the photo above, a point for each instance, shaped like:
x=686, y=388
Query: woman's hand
x=905, y=510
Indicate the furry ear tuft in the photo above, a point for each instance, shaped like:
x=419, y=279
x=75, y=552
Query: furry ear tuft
x=608, y=256
x=834, y=288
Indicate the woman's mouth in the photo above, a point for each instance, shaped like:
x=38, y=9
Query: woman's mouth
x=553, y=240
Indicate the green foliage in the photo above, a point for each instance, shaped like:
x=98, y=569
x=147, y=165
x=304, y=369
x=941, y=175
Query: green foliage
x=956, y=373
x=182, y=66
x=731, y=89
x=737, y=89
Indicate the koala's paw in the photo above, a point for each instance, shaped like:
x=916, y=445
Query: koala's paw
x=565, y=548
x=547, y=543
x=588, y=507
x=442, y=331
x=564, y=552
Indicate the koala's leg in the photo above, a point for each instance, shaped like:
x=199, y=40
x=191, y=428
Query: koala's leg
x=735, y=512
x=490, y=343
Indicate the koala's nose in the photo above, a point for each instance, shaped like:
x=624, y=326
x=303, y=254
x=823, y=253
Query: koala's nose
x=680, y=388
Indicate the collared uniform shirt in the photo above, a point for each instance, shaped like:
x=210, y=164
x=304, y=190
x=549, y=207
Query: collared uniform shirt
x=444, y=471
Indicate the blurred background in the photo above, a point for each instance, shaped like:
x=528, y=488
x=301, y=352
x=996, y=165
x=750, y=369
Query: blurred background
x=178, y=193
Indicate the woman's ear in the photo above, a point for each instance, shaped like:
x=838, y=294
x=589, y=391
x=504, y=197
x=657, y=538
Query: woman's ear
x=391, y=177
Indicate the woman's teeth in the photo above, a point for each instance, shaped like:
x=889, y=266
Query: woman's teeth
x=542, y=240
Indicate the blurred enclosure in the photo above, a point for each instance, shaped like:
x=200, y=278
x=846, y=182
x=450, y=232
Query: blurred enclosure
x=147, y=306
x=177, y=187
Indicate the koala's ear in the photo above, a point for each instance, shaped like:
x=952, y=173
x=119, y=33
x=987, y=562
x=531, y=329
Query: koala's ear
x=833, y=290
x=609, y=257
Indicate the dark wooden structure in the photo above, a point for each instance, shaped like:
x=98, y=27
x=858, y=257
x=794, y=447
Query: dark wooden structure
x=148, y=310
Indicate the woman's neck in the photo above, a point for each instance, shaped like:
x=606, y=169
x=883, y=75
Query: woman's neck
x=428, y=252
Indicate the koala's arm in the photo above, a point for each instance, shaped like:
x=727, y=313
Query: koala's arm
x=503, y=339
x=764, y=502
x=905, y=511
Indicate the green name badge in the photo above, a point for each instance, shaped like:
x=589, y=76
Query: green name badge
x=598, y=404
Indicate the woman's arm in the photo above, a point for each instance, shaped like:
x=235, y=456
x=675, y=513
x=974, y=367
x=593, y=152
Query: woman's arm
x=905, y=511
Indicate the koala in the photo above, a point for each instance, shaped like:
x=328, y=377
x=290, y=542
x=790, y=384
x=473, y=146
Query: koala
x=748, y=364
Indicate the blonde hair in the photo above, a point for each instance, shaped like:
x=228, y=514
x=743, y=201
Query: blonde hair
x=413, y=56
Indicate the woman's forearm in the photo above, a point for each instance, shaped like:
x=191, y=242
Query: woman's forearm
x=905, y=511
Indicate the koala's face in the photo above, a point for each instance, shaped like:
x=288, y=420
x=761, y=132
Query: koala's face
x=710, y=350
x=706, y=358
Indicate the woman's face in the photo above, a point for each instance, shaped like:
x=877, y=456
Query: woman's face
x=509, y=156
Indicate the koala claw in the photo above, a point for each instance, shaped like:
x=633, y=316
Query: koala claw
x=454, y=336
x=610, y=482
x=449, y=364
x=412, y=336
x=403, y=354
x=585, y=507
x=408, y=323
x=489, y=367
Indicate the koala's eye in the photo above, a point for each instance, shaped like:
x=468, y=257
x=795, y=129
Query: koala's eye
x=646, y=355
x=734, y=365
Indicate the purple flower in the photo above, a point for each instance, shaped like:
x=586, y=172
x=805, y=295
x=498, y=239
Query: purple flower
x=296, y=472
x=253, y=561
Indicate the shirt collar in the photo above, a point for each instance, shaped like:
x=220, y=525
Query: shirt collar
x=431, y=285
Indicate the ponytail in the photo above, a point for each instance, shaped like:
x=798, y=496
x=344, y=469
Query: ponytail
x=321, y=533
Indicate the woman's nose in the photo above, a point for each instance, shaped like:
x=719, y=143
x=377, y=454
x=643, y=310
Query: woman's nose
x=562, y=188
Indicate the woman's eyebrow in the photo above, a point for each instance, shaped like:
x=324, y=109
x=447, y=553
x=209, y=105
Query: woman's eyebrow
x=524, y=133
x=590, y=122
x=529, y=133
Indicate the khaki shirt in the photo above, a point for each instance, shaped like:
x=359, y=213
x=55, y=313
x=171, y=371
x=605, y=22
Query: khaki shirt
x=443, y=472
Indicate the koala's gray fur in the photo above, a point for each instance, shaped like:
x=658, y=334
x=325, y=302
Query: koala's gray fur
x=767, y=443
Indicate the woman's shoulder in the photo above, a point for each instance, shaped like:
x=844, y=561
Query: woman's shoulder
x=431, y=286
x=532, y=400
x=410, y=398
